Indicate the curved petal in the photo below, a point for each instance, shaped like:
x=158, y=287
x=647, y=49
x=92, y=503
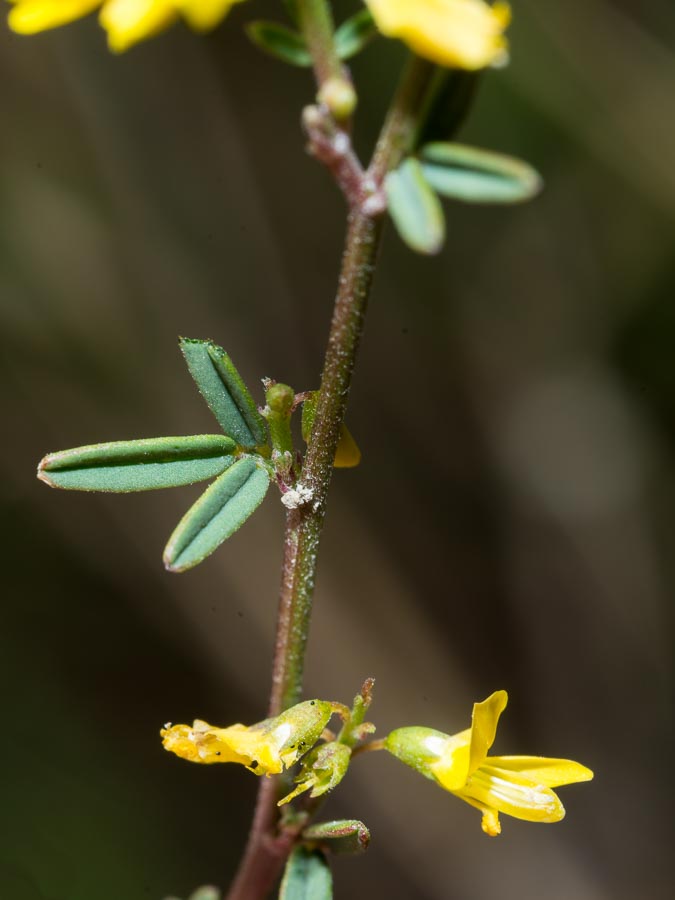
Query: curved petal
x=484, y=726
x=513, y=795
x=542, y=769
x=130, y=21
x=456, y=33
x=203, y=15
x=30, y=16
x=201, y=743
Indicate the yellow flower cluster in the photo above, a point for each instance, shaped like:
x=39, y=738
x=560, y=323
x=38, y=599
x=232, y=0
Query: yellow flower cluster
x=518, y=786
x=126, y=21
x=464, y=34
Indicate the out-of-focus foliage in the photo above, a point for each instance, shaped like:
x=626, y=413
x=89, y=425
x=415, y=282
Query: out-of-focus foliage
x=526, y=542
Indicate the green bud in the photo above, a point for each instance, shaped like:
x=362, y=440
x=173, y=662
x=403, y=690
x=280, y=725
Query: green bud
x=344, y=836
x=280, y=398
x=339, y=96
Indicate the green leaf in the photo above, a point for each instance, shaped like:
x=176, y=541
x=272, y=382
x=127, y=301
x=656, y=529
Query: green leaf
x=344, y=836
x=144, y=465
x=280, y=42
x=292, y=9
x=415, y=209
x=219, y=512
x=354, y=34
x=225, y=392
x=307, y=876
x=450, y=98
x=478, y=176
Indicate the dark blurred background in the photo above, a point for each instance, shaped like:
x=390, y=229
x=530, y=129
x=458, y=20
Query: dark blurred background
x=511, y=525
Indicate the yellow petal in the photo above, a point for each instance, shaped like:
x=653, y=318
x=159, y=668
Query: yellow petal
x=347, y=454
x=203, y=15
x=513, y=795
x=203, y=743
x=30, y=16
x=455, y=33
x=484, y=726
x=490, y=822
x=542, y=770
x=130, y=21
x=452, y=767
x=463, y=753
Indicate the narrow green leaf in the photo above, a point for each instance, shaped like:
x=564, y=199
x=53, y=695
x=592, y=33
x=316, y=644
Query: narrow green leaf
x=354, y=34
x=415, y=209
x=478, y=176
x=225, y=392
x=145, y=465
x=218, y=513
x=292, y=9
x=280, y=42
x=344, y=836
x=307, y=876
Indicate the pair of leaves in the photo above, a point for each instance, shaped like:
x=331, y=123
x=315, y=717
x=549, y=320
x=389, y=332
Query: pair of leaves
x=289, y=46
x=457, y=172
x=237, y=458
x=307, y=875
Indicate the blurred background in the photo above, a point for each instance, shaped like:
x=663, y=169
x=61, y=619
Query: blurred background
x=510, y=526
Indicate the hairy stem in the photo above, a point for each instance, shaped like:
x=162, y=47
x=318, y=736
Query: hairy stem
x=316, y=24
x=268, y=847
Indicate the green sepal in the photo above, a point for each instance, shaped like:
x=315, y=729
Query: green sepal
x=217, y=514
x=411, y=745
x=415, y=208
x=346, y=836
x=225, y=392
x=478, y=176
x=144, y=465
x=306, y=877
x=280, y=42
x=354, y=34
x=323, y=768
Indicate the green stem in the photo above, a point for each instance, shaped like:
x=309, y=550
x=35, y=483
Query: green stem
x=316, y=24
x=267, y=848
x=305, y=523
x=405, y=118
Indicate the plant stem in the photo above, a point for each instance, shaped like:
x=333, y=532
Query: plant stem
x=267, y=848
x=316, y=24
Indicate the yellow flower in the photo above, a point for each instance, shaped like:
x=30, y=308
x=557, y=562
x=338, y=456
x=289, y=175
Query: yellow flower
x=266, y=748
x=126, y=21
x=518, y=786
x=464, y=34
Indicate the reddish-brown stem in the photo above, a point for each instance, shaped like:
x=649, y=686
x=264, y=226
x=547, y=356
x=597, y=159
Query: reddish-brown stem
x=269, y=846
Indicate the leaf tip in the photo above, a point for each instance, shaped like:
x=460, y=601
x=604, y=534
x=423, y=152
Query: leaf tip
x=42, y=468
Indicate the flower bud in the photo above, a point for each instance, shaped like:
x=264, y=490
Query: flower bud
x=339, y=96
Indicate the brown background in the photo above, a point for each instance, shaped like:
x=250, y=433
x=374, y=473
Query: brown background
x=511, y=524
